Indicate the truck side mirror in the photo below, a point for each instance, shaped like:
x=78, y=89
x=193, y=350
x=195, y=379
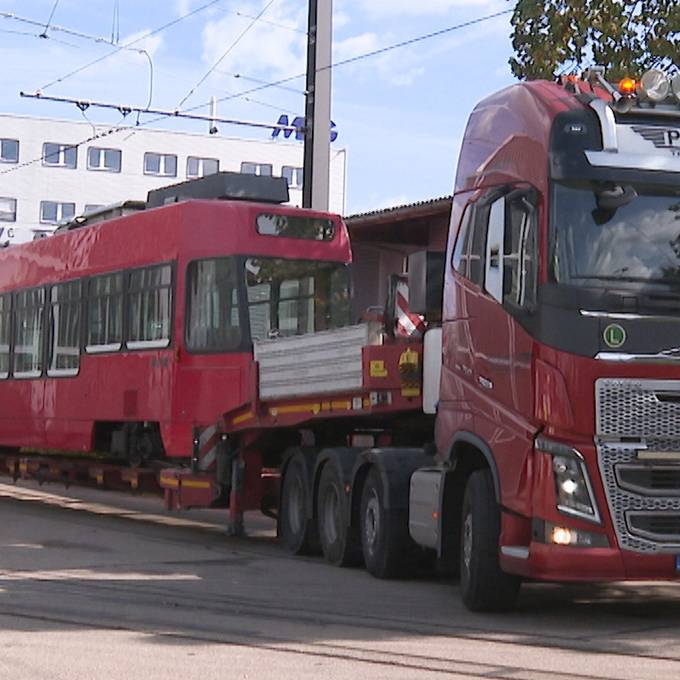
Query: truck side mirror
x=494, y=250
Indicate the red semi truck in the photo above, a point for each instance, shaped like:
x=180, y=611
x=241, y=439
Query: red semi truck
x=533, y=432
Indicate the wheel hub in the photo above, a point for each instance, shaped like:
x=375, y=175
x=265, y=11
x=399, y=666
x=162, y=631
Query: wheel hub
x=295, y=499
x=331, y=515
x=372, y=521
x=467, y=541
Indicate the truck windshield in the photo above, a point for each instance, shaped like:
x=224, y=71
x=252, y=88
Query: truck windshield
x=293, y=297
x=603, y=235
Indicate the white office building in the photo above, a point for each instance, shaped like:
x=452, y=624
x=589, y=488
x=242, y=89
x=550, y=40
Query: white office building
x=49, y=173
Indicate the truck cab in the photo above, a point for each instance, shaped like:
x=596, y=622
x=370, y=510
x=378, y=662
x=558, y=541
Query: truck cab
x=557, y=433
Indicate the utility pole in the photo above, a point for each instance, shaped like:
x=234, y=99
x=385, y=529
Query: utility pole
x=317, y=153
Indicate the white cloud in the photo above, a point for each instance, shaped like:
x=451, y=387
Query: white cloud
x=151, y=44
x=354, y=46
x=265, y=49
x=394, y=8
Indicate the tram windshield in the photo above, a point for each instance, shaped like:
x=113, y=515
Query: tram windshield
x=293, y=297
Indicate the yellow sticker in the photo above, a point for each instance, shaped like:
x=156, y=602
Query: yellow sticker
x=377, y=369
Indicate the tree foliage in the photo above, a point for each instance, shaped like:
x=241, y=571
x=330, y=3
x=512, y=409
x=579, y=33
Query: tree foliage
x=626, y=36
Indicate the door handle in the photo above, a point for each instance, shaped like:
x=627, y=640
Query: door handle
x=485, y=382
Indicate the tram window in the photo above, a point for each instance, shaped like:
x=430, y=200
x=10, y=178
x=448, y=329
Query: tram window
x=293, y=297
x=65, y=319
x=212, y=299
x=105, y=313
x=28, y=333
x=149, y=305
x=5, y=330
x=295, y=226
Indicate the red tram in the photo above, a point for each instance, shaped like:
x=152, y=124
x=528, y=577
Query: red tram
x=138, y=329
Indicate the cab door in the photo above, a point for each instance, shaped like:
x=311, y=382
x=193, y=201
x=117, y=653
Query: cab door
x=505, y=243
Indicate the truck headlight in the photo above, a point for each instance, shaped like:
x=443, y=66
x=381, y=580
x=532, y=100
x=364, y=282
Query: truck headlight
x=572, y=483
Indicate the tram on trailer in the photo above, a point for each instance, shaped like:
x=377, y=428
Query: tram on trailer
x=125, y=335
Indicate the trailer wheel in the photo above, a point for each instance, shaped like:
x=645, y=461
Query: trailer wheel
x=384, y=535
x=339, y=542
x=296, y=530
x=484, y=586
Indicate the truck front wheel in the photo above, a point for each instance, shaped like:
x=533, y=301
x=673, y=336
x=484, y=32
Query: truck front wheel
x=484, y=587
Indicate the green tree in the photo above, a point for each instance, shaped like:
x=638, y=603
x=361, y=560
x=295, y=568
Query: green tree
x=626, y=36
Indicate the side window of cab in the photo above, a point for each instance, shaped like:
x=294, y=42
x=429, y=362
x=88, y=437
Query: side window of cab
x=469, y=252
x=510, y=273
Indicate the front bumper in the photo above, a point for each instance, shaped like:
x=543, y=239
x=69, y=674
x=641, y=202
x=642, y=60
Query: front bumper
x=567, y=564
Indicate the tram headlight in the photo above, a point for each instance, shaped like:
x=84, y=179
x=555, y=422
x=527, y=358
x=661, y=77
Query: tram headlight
x=655, y=85
x=572, y=484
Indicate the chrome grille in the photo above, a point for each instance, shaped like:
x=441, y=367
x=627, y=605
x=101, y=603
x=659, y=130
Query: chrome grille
x=649, y=479
x=638, y=408
x=661, y=526
x=643, y=496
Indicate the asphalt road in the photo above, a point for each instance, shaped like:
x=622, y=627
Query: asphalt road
x=95, y=585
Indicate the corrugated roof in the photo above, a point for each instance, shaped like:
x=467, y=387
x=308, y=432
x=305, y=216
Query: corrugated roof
x=407, y=207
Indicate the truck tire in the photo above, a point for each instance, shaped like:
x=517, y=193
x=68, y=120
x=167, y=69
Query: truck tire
x=296, y=530
x=484, y=586
x=384, y=535
x=339, y=542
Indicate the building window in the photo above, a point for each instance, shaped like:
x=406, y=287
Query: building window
x=92, y=207
x=52, y=212
x=60, y=155
x=105, y=314
x=150, y=303
x=264, y=169
x=28, y=333
x=5, y=333
x=8, y=209
x=108, y=160
x=9, y=151
x=164, y=165
x=200, y=167
x=212, y=299
x=65, y=315
x=293, y=176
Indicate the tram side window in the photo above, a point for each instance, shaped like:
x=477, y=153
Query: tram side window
x=28, y=333
x=105, y=314
x=149, y=307
x=5, y=330
x=212, y=298
x=65, y=319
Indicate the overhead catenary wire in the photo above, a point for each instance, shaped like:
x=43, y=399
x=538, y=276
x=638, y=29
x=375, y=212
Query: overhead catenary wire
x=273, y=23
x=155, y=31
x=55, y=28
x=233, y=44
x=115, y=24
x=365, y=55
x=185, y=113
x=49, y=21
x=83, y=105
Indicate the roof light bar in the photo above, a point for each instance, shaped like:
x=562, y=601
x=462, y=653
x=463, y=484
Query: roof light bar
x=655, y=86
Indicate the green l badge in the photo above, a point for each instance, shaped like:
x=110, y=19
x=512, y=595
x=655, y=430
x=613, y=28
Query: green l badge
x=614, y=335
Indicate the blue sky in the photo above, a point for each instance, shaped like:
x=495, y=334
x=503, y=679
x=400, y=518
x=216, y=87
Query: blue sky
x=400, y=114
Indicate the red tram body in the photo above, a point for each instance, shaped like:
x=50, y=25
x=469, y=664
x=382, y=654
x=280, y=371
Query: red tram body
x=152, y=381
